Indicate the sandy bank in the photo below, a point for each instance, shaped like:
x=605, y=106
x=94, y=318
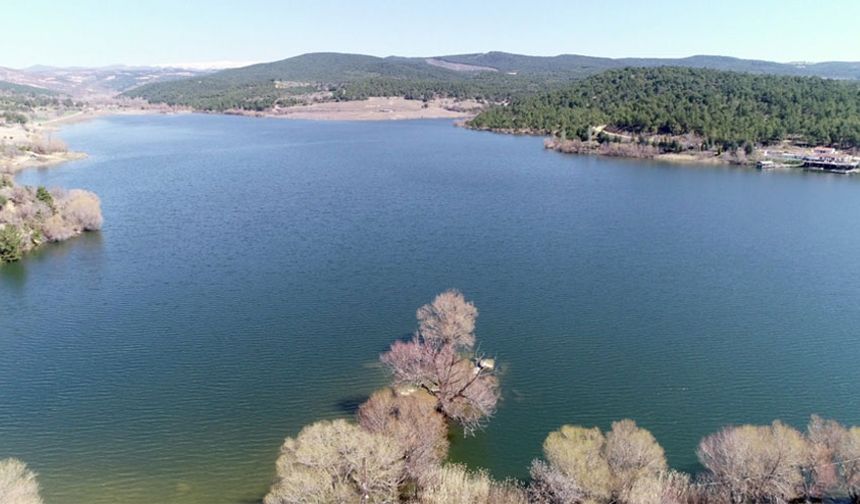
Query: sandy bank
x=34, y=145
x=376, y=109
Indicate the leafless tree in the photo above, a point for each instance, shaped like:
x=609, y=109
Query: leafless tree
x=549, y=485
x=18, y=484
x=580, y=454
x=848, y=456
x=411, y=420
x=618, y=467
x=454, y=484
x=336, y=461
x=756, y=464
x=668, y=487
x=633, y=455
x=441, y=359
x=820, y=469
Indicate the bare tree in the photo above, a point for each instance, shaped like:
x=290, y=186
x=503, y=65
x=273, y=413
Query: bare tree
x=411, y=420
x=820, y=470
x=580, y=454
x=18, y=484
x=848, y=456
x=336, y=461
x=632, y=454
x=605, y=468
x=549, y=485
x=454, y=484
x=441, y=359
x=668, y=487
x=448, y=320
x=756, y=464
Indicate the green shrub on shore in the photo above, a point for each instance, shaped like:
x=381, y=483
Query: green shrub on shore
x=11, y=244
x=44, y=196
x=31, y=216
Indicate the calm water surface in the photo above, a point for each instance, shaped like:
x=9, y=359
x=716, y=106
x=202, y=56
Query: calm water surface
x=250, y=271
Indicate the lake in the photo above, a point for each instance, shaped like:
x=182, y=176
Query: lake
x=250, y=271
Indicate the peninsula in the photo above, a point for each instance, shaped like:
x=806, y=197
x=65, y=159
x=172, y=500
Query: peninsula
x=694, y=115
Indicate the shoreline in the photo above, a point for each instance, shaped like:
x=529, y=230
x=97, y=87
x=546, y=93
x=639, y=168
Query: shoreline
x=626, y=150
x=371, y=109
x=38, y=131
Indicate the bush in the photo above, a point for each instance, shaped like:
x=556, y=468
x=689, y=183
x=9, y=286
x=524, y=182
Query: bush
x=615, y=467
x=412, y=421
x=336, y=461
x=11, y=244
x=44, y=196
x=755, y=463
x=456, y=484
x=18, y=484
x=83, y=210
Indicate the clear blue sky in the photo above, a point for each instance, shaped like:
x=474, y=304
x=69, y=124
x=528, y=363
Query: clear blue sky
x=92, y=32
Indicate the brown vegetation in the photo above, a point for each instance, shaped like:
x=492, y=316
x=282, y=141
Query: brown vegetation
x=336, y=461
x=32, y=216
x=685, y=149
x=397, y=450
x=582, y=464
x=441, y=359
x=18, y=484
x=456, y=484
x=412, y=421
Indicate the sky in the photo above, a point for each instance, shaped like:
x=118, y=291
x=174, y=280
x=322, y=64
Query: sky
x=162, y=32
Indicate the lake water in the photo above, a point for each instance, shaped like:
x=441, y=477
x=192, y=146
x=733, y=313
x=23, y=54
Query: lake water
x=250, y=271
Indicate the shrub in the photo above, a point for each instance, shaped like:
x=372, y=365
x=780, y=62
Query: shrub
x=665, y=488
x=83, y=210
x=579, y=454
x=11, y=244
x=336, y=461
x=755, y=463
x=618, y=467
x=633, y=455
x=549, y=485
x=411, y=420
x=44, y=196
x=18, y=484
x=455, y=484
x=848, y=456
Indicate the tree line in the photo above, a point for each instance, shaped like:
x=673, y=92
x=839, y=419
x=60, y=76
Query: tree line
x=721, y=108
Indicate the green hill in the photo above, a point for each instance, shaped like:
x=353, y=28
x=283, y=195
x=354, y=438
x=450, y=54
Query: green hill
x=18, y=101
x=10, y=88
x=727, y=108
x=493, y=76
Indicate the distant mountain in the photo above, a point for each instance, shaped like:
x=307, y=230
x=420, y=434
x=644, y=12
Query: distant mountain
x=573, y=63
x=23, y=89
x=88, y=82
x=495, y=76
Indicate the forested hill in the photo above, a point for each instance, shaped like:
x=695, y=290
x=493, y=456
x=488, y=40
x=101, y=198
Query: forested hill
x=493, y=76
x=726, y=108
x=18, y=101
